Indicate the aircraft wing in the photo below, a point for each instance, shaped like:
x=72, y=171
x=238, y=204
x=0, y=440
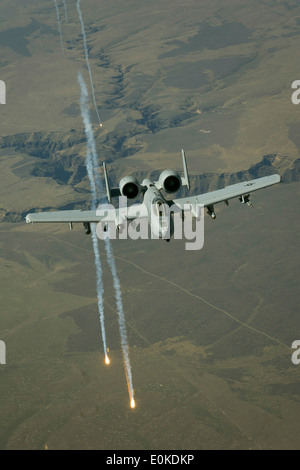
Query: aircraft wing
x=229, y=192
x=62, y=216
x=73, y=216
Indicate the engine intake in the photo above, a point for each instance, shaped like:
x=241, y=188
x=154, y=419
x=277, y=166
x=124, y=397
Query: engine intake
x=170, y=181
x=129, y=187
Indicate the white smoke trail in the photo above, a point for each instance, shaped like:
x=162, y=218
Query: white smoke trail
x=67, y=21
x=59, y=27
x=99, y=284
x=92, y=159
x=121, y=316
x=87, y=57
x=96, y=185
x=90, y=170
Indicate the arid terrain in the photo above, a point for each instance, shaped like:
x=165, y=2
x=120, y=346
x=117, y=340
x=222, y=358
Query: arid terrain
x=209, y=331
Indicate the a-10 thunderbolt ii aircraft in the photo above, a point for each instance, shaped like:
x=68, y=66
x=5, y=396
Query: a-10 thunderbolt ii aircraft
x=154, y=202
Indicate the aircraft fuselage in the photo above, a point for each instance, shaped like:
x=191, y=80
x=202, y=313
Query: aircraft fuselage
x=157, y=207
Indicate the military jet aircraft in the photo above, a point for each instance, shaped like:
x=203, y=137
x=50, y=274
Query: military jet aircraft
x=154, y=203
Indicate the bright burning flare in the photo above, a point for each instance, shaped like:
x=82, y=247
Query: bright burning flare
x=132, y=403
x=107, y=361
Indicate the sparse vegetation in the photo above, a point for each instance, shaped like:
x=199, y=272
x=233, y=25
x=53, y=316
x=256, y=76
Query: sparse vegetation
x=164, y=80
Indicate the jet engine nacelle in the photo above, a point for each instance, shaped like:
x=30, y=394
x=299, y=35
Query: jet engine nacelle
x=170, y=181
x=129, y=187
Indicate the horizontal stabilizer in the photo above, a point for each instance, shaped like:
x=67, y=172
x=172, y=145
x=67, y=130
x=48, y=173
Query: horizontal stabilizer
x=115, y=192
x=185, y=180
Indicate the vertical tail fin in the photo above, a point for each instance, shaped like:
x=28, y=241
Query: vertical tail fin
x=185, y=180
x=108, y=195
x=110, y=192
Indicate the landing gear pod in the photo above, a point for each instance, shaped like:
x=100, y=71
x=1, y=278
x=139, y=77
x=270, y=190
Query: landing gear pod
x=87, y=227
x=211, y=211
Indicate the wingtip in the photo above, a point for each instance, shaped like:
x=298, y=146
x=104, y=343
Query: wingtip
x=278, y=178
